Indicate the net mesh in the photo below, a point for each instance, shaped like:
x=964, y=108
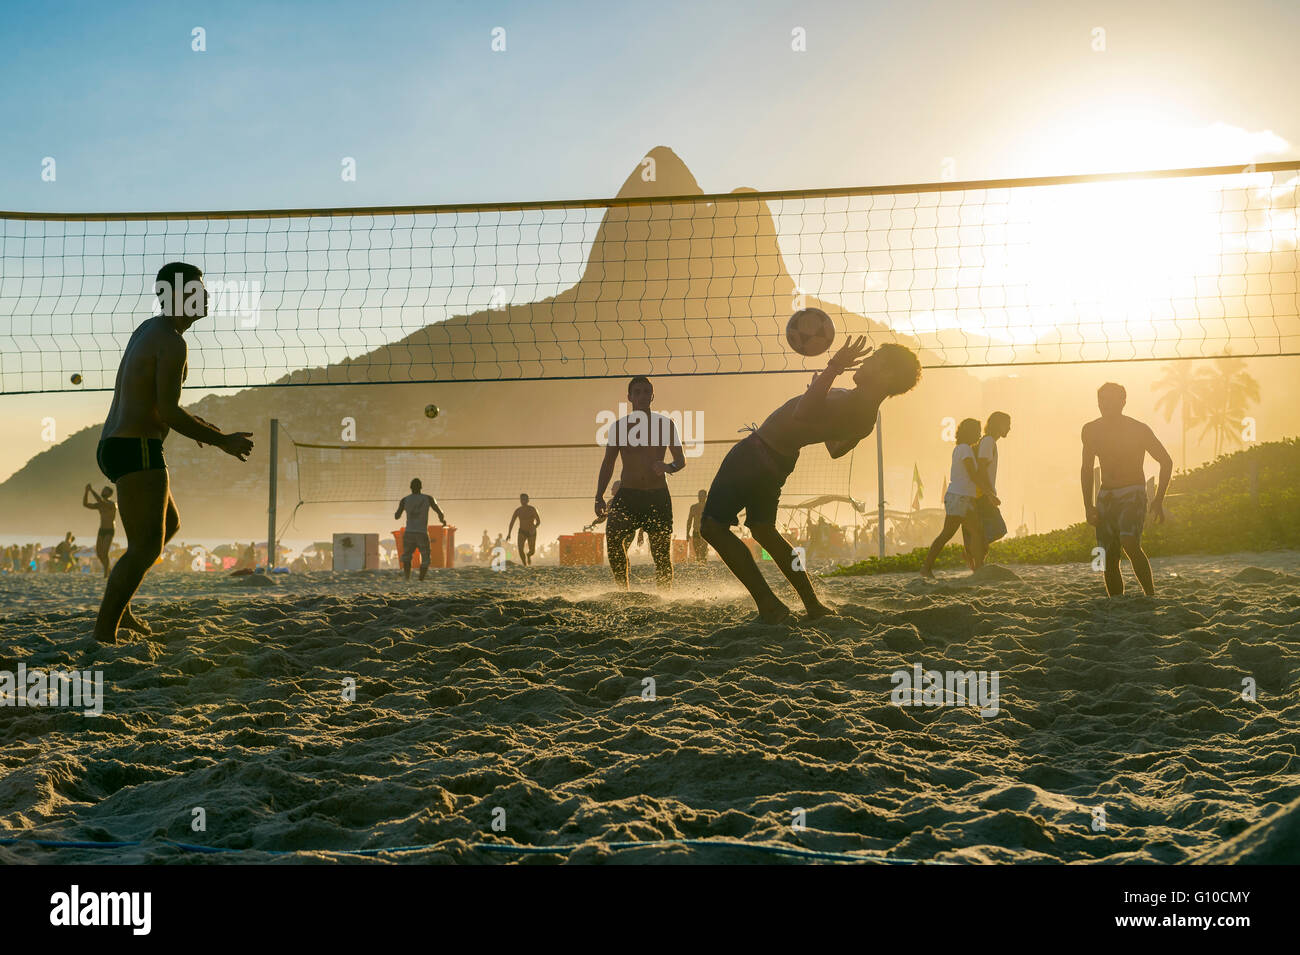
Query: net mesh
x=340, y=473
x=1177, y=264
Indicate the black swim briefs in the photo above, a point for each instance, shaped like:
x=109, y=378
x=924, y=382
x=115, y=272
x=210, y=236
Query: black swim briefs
x=750, y=478
x=119, y=456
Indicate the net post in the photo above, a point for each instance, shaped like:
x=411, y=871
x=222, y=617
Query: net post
x=880, y=484
x=270, y=508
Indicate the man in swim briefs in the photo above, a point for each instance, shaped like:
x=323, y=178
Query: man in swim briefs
x=145, y=409
x=103, y=502
x=752, y=474
x=642, y=501
x=529, y=520
x=1121, y=444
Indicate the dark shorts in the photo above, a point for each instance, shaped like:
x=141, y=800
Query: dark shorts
x=412, y=541
x=1120, y=513
x=119, y=456
x=106, y=532
x=632, y=508
x=750, y=478
x=529, y=538
x=994, y=527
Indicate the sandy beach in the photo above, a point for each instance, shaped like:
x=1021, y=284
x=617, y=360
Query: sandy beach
x=520, y=697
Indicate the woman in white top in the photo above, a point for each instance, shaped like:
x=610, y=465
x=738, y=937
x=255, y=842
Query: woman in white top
x=964, y=483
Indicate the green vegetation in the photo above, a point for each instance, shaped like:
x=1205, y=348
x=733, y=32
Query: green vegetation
x=1248, y=501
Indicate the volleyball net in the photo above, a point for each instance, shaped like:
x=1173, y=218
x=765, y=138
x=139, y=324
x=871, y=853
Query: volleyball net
x=351, y=473
x=1172, y=264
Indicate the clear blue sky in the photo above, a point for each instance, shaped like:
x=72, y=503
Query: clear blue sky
x=885, y=93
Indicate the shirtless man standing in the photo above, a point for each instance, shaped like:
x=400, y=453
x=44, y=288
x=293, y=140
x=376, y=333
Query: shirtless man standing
x=416, y=505
x=529, y=520
x=146, y=408
x=1121, y=444
x=107, y=516
x=752, y=474
x=642, y=500
x=699, y=546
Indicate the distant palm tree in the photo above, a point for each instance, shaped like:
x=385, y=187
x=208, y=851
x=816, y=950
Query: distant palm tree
x=1180, y=384
x=1227, y=391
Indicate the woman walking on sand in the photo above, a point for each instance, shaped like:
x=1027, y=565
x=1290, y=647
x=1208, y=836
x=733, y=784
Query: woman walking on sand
x=964, y=483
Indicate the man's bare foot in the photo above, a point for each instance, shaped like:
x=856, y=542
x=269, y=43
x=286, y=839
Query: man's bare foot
x=819, y=610
x=131, y=622
x=776, y=613
x=927, y=573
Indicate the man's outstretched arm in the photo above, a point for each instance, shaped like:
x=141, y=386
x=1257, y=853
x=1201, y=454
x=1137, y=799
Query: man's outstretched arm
x=85, y=498
x=434, y=504
x=169, y=375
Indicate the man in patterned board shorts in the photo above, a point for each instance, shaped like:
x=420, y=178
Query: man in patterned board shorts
x=642, y=502
x=1121, y=444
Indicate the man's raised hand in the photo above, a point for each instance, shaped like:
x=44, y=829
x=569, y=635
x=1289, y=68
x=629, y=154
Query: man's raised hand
x=851, y=353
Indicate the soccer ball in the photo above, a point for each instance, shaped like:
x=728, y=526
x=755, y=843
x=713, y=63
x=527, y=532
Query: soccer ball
x=810, y=331
x=431, y=411
x=76, y=379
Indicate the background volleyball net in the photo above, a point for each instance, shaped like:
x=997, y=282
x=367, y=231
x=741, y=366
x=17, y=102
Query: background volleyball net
x=351, y=473
x=1174, y=264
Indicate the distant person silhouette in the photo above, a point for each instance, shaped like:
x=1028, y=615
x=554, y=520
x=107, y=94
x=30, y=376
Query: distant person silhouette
x=145, y=409
x=1121, y=444
x=107, y=519
x=63, y=559
x=699, y=546
x=752, y=474
x=529, y=520
x=416, y=505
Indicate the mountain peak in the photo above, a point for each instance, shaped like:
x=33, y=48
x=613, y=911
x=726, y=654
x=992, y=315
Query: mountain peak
x=660, y=172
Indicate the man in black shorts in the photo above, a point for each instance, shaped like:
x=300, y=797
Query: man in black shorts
x=103, y=502
x=752, y=474
x=146, y=408
x=529, y=520
x=699, y=546
x=642, y=500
